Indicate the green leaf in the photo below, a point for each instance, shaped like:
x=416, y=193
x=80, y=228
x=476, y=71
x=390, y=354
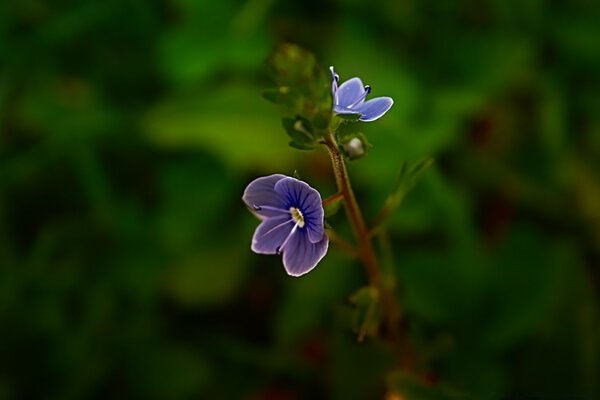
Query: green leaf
x=284, y=96
x=299, y=130
x=302, y=85
x=346, y=129
x=366, y=315
x=301, y=146
x=409, y=175
x=333, y=206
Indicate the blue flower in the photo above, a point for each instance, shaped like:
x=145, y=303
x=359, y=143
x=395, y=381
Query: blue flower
x=292, y=221
x=349, y=98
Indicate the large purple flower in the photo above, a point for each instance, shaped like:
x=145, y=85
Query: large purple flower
x=349, y=98
x=292, y=221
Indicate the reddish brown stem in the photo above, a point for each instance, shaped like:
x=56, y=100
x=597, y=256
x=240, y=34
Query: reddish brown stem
x=365, y=247
x=332, y=198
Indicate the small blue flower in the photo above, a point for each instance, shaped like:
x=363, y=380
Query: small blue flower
x=292, y=221
x=349, y=98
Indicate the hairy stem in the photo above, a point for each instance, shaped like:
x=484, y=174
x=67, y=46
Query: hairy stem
x=365, y=246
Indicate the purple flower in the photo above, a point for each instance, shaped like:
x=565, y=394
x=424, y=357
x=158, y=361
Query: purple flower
x=349, y=98
x=292, y=221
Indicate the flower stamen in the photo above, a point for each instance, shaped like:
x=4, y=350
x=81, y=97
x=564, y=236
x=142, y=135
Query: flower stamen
x=335, y=76
x=297, y=216
x=361, y=98
x=278, y=226
x=287, y=239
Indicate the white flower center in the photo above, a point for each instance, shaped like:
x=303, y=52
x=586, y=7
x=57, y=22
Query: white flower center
x=297, y=216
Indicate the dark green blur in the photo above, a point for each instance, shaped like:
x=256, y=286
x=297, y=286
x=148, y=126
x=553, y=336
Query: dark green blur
x=129, y=129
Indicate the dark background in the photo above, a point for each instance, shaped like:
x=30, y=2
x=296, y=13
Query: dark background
x=129, y=129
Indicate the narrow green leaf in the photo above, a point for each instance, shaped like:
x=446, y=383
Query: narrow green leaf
x=333, y=206
x=299, y=130
x=301, y=146
x=303, y=86
x=409, y=176
x=366, y=315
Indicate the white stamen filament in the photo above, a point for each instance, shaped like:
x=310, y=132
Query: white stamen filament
x=361, y=98
x=287, y=239
x=278, y=226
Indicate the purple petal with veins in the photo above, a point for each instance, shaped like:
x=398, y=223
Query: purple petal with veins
x=292, y=221
x=261, y=198
x=374, y=108
x=270, y=234
x=308, y=200
x=301, y=256
x=349, y=98
x=350, y=92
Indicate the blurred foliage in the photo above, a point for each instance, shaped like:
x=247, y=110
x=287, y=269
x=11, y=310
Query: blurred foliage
x=128, y=131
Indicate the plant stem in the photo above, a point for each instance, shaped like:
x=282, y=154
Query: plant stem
x=365, y=247
x=332, y=198
x=354, y=215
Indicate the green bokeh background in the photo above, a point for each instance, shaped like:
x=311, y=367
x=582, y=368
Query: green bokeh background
x=129, y=129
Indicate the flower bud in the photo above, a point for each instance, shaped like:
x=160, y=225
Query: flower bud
x=354, y=148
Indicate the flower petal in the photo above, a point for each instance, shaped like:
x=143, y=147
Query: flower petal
x=261, y=192
x=350, y=92
x=300, y=255
x=270, y=234
x=344, y=110
x=300, y=195
x=374, y=108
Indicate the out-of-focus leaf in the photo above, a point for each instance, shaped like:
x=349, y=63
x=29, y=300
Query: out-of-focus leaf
x=409, y=175
x=366, y=316
x=333, y=206
x=300, y=131
x=172, y=373
x=302, y=85
x=68, y=110
x=283, y=95
x=309, y=299
x=350, y=379
x=232, y=123
x=207, y=277
x=189, y=186
x=531, y=277
x=197, y=46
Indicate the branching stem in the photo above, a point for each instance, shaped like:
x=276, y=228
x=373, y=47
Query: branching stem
x=365, y=247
